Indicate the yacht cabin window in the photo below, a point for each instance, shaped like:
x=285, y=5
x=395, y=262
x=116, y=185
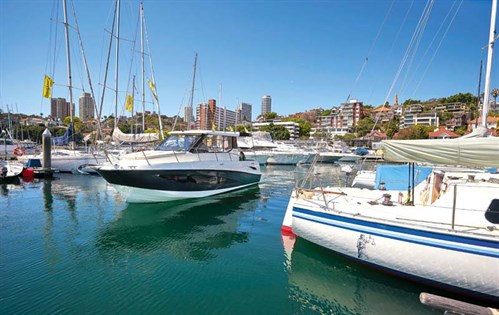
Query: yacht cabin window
x=198, y=143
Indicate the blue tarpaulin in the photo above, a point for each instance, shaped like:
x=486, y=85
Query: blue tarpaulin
x=396, y=177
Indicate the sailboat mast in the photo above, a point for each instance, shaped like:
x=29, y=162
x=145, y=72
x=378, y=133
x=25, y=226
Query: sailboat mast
x=192, y=93
x=486, y=93
x=478, y=93
x=143, y=68
x=133, y=95
x=220, y=106
x=117, y=59
x=153, y=79
x=70, y=85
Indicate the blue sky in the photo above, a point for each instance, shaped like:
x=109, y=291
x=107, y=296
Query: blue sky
x=305, y=54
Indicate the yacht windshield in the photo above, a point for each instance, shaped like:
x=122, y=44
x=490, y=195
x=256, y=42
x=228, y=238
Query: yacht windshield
x=177, y=143
x=198, y=143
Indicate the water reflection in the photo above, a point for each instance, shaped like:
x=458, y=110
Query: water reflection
x=190, y=230
x=9, y=184
x=327, y=283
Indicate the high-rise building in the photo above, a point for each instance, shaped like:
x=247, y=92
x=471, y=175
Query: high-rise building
x=244, y=113
x=224, y=118
x=205, y=115
x=266, y=104
x=59, y=108
x=209, y=116
x=188, y=115
x=86, y=107
x=342, y=119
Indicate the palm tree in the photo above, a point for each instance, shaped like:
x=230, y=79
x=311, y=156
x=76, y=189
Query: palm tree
x=495, y=94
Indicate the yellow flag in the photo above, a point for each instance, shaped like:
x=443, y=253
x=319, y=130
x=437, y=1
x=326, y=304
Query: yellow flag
x=153, y=89
x=213, y=127
x=246, y=129
x=47, y=87
x=129, y=103
x=230, y=128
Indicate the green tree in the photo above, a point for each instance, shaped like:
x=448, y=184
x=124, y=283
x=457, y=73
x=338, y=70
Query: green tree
x=410, y=101
x=495, y=93
x=269, y=116
x=460, y=130
x=364, y=126
x=414, y=132
x=327, y=112
x=243, y=130
x=276, y=132
x=391, y=127
x=466, y=98
x=78, y=123
x=303, y=125
x=347, y=138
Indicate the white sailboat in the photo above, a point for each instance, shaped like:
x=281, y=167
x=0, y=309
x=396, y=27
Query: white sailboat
x=442, y=231
x=135, y=138
x=67, y=160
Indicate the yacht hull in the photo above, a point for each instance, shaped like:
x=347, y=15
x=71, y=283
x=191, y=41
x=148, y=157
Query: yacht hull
x=157, y=185
x=459, y=263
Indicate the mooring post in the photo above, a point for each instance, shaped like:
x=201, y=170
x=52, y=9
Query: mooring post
x=47, y=151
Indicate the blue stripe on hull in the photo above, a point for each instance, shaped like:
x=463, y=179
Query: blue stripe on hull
x=489, y=248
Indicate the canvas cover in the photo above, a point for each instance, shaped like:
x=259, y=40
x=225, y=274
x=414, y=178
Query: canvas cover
x=475, y=152
x=118, y=135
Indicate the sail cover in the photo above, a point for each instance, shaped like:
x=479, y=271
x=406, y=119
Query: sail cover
x=118, y=135
x=476, y=152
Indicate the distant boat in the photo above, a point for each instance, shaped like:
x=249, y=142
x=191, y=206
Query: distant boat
x=188, y=164
x=337, y=152
x=10, y=170
x=11, y=148
x=262, y=148
x=65, y=160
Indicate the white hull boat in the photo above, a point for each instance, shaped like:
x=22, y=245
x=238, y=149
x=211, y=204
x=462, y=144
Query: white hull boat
x=189, y=164
x=9, y=170
x=444, y=231
x=67, y=161
x=261, y=147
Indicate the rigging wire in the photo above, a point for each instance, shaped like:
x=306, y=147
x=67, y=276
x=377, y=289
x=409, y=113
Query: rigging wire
x=417, y=31
x=99, y=130
x=130, y=69
x=404, y=21
x=437, y=33
x=438, y=47
x=415, y=50
x=366, y=60
x=104, y=85
x=51, y=48
x=153, y=79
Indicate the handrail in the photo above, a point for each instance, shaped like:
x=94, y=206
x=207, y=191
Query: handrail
x=147, y=160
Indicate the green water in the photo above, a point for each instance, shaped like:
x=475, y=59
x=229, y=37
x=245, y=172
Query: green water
x=72, y=246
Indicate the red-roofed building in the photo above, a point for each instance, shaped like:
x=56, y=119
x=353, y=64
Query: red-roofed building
x=492, y=122
x=442, y=134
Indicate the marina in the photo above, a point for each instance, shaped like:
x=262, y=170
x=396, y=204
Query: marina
x=366, y=207
x=72, y=244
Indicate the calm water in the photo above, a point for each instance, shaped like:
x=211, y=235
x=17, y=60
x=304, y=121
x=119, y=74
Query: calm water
x=72, y=245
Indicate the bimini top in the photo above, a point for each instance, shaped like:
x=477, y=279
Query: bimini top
x=196, y=132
